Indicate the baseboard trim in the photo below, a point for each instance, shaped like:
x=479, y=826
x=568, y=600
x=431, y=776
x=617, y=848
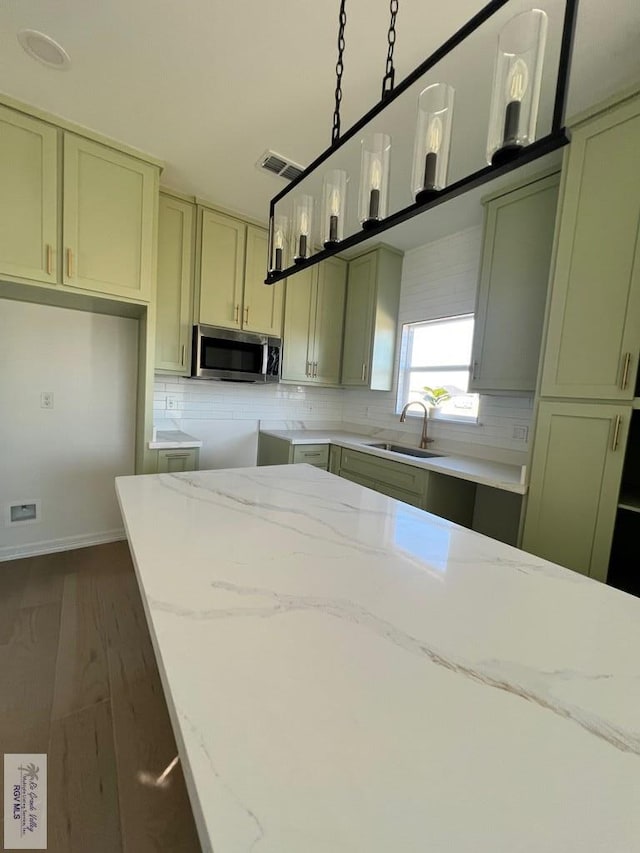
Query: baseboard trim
x=66, y=543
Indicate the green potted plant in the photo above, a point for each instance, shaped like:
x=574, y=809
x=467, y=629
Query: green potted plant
x=435, y=397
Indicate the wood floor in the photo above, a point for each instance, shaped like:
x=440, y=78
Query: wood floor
x=78, y=680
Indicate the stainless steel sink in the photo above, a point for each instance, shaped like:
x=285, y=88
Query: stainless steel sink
x=406, y=451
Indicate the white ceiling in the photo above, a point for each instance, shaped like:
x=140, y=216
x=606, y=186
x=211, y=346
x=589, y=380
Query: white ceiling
x=208, y=86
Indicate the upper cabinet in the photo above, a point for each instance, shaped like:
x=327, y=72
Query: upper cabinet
x=176, y=232
x=233, y=264
x=105, y=240
x=594, y=323
x=222, y=249
x=371, y=316
x=29, y=197
x=313, y=324
x=109, y=220
x=516, y=257
x=262, y=305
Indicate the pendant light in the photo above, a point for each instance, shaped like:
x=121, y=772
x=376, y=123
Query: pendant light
x=374, y=179
x=334, y=204
x=432, y=141
x=302, y=223
x=511, y=137
x=516, y=86
x=279, y=242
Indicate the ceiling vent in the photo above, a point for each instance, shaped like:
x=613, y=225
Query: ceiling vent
x=279, y=165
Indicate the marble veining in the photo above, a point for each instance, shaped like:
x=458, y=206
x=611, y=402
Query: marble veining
x=348, y=673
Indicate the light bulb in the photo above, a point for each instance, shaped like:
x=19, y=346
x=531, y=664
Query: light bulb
x=279, y=240
x=434, y=134
x=335, y=203
x=518, y=80
x=304, y=223
x=376, y=174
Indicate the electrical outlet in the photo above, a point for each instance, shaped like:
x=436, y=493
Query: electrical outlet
x=171, y=401
x=46, y=400
x=521, y=433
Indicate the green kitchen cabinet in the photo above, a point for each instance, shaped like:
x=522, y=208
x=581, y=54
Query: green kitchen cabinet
x=177, y=460
x=575, y=479
x=335, y=458
x=371, y=317
x=176, y=232
x=594, y=321
x=396, y=480
x=221, y=279
x=262, y=304
x=275, y=450
x=109, y=220
x=313, y=324
x=29, y=197
x=510, y=306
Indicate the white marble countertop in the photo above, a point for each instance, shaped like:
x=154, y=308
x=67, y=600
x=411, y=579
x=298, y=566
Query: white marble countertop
x=510, y=478
x=172, y=439
x=348, y=674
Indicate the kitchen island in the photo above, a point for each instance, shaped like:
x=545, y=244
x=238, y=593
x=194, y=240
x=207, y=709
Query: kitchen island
x=348, y=674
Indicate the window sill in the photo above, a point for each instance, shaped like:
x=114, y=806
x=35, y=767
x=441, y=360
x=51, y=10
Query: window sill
x=445, y=419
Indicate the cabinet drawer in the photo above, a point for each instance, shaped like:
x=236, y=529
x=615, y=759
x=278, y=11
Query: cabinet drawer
x=383, y=488
x=174, y=461
x=384, y=471
x=313, y=454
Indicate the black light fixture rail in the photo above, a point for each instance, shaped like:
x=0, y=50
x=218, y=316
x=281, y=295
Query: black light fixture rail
x=551, y=142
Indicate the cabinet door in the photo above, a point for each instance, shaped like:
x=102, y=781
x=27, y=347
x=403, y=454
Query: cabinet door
x=358, y=323
x=110, y=209
x=594, y=322
x=221, y=270
x=175, y=279
x=299, y=316
x=329, y=321
x=174, y=461
x=262, y=304
x=518, y=239
x=29, y=197
x=575, y=480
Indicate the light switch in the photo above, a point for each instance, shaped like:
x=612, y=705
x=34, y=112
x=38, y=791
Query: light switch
x=46, y=400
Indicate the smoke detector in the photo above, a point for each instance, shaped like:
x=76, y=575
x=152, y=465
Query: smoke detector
x=45, y=49
x=277, y=164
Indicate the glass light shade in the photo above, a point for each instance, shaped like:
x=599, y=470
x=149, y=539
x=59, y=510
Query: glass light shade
x=374, y=179
x=301, y=228
x=334, y=206
x=279, y=254
x=432, y=141
x=516, y=85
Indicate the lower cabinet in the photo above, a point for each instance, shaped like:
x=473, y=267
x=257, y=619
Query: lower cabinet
x=180, y=459
x=576, y=473
x=280, y=451
x=440, y=494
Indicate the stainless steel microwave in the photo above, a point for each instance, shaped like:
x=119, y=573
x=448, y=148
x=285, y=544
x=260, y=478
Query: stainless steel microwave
x=234, y=356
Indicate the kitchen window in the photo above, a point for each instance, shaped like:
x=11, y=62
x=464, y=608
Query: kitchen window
x=435, y=363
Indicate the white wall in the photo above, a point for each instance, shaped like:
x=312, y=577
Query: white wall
x=438, y=280
x=65, y=457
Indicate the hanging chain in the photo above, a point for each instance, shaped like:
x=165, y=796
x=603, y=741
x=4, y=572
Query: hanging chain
x=390, y=73
x=342, y=18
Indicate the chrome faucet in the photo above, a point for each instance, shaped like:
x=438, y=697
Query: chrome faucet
x=424, y=441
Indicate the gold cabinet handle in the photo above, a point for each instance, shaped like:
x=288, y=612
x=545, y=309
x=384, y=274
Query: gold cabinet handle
x=306, y=368
x=362, y=373
x=625, y=370
x=616, y=432
x=70, y=263
x=49, y=261
x=315, y=369
x=182, y=355
x=237, y=314
x=246, y=314
x=474, y=374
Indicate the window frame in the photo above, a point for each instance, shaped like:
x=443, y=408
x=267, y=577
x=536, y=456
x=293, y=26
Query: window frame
x=405, y=370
